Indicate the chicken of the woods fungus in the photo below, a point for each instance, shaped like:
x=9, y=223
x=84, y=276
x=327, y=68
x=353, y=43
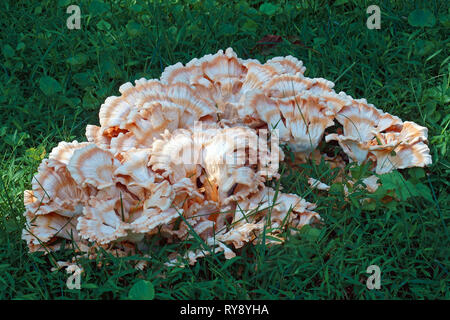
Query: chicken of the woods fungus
x=194, y=153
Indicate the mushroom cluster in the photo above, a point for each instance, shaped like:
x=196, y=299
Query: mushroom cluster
x=192, y=152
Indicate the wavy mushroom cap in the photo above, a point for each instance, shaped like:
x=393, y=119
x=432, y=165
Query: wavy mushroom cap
x=399, y=150
x=145, y=111
x=176, y=156
x=361, y=123
x=134, y=173
x=299, y=108
x=283, y=208
x=242, y=234
x=116, y=109
x=55, y=191
x=231, y=160
x=287, y=65
x=306, y=120
x=60, y=155
x=353, y=147
x=103, y=221
x=93, y=166
x=41, y=229
x=361, y=120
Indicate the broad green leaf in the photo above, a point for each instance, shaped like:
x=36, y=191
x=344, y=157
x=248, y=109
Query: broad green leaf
x=268, y=9
x=89, y=102
x=103, y=25
x=133, y=28
x=142, y=290
x=423, y=47
x=73, y=102
x=228, y=29
x=8, y=51
x=20, y=46
x=337, y=188
x=172, y=31
x=136, y=8
x=405, y=189
x=78, y=59
x=310, y=232
x=250, y=26
x=49, y=86
x=98, y=7
x=417, y=173
x=421, y=18
x=83, y=79
x=108, y=66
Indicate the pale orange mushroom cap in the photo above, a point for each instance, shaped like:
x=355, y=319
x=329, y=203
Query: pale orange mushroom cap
x=94, y=166
x=399, y=150
x=361, y=122
x=41, y=229
x=287, y=65
x=55, y=191
x=102, y=221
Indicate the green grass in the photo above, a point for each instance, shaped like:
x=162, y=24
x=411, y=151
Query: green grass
x=400, y=68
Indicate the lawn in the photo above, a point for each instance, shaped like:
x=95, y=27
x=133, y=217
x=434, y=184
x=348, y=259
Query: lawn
x=53, y=81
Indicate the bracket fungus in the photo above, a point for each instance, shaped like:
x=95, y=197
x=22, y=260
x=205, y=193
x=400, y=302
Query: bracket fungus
x=194, y=152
